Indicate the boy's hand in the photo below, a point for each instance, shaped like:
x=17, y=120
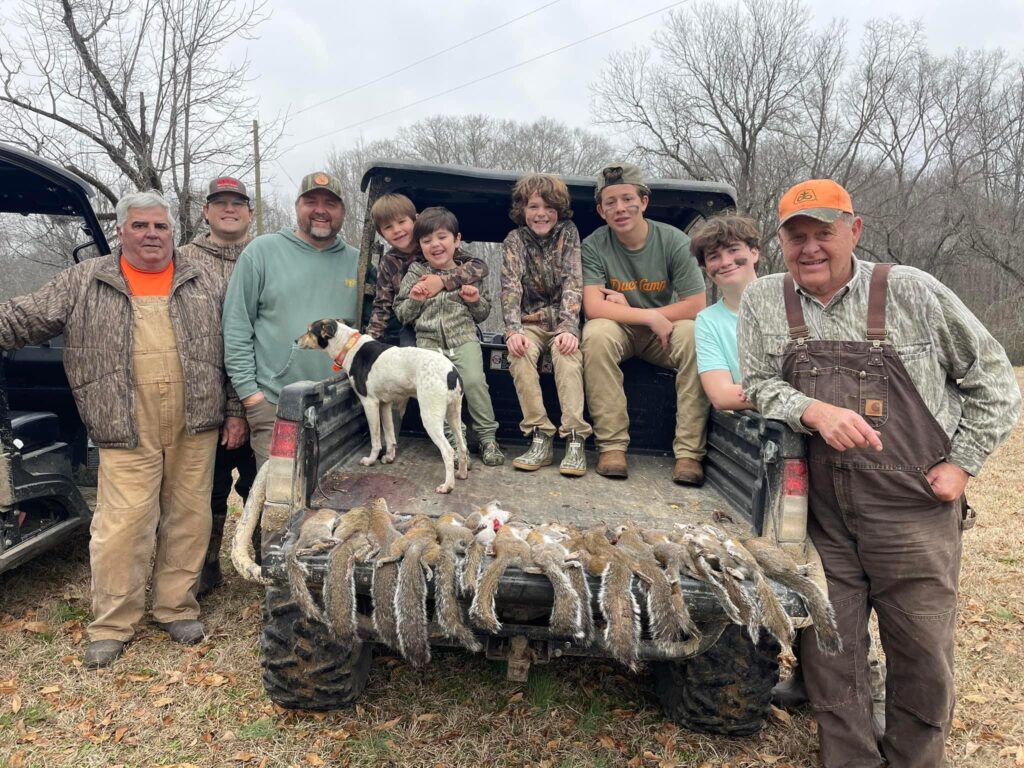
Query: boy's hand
x=566, y=343
x=419, y=292
x=517, y=344
x=661, y=326
x=470, y=294
x=614, y=297
x=434, y=285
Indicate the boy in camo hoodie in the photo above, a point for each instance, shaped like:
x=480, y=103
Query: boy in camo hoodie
x=541, y=294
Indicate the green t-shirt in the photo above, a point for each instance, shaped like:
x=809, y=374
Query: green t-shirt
x=661, y=272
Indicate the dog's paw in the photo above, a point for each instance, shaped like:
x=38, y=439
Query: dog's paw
x=368, y=461
x=463, y=474
x=389, y=456
x=444, y=488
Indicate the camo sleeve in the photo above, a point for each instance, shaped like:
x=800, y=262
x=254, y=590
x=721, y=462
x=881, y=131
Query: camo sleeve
x=572, y=281
x=408, y=309
x=469, y=270
x=512, y=283
x=389, y=279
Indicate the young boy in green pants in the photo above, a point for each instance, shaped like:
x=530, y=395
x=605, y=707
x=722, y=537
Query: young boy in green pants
x=447, y=321
x=394, y=216
x=541, y=293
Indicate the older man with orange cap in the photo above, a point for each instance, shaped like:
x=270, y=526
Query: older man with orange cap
x=903, y=394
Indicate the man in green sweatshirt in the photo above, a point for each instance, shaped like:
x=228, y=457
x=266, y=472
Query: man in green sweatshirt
x=282, y=282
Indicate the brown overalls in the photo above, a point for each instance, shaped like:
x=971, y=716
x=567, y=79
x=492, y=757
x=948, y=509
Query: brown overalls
x=885, y=542
x=155, y=494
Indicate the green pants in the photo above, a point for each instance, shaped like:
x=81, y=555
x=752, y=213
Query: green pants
x=469, y=361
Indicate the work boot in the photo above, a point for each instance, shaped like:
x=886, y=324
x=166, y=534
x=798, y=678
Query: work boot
x=490, y=453
x=540, y=454
x=688, y=472
x=102, y=653
x=612, y=464
x=575, y=462
x=211, y=577
x=184, y=631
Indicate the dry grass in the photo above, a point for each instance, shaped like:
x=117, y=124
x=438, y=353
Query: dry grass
x=164, y=705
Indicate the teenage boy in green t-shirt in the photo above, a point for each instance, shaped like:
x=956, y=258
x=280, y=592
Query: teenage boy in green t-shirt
x=642, y=290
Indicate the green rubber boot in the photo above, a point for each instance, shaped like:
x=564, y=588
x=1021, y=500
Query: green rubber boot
x=575, y=462
x=540, y=454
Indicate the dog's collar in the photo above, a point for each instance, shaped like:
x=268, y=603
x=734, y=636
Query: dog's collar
x=340, y=359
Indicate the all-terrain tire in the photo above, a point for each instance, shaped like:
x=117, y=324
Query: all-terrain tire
x=303, y=666
x=726, y=690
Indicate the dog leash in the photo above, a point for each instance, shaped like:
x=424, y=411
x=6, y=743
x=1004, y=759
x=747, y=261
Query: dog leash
x=340, y=359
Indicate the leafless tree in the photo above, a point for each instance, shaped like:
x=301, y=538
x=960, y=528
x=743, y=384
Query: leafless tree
x=132, y=95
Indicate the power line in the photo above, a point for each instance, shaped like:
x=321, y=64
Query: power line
x=427, y=58
x=484, y=77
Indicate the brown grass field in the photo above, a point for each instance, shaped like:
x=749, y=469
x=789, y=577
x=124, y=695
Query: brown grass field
x=165, y=705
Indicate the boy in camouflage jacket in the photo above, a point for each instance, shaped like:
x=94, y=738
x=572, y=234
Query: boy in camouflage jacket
x=541, y=294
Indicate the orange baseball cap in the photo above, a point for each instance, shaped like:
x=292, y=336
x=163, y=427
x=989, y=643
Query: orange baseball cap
x=821, y=199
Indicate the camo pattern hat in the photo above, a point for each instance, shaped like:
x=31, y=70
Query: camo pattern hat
x=320, y=180
x=620, y=173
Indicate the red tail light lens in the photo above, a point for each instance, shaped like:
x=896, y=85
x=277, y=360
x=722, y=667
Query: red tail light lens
x=794, y=477
x=284, y=442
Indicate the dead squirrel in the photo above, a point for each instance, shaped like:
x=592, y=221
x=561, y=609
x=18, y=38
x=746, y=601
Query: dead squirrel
x=551, y=557
x=316, y=534
x=616, y=600
x=418, y=550
x=510, y=550
x=363, y=532
x=707, y=555
x=667, y=613
x=484, y=523
x=454, y=539
x=780, y=566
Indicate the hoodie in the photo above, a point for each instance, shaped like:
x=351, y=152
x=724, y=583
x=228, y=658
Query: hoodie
x=279, y=286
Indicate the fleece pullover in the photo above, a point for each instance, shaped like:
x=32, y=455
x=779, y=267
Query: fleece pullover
x=280, y=285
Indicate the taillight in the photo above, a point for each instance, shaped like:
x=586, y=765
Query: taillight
x=284, y=443
x=794, y=477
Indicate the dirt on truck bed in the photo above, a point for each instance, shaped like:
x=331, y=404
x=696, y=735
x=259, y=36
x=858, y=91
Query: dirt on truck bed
x=648, y=496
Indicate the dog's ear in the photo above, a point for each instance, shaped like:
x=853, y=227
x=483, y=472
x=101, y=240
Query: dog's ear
x=323, y=331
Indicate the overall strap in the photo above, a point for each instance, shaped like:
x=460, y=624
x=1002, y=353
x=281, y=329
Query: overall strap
x=794, y=312
x=876, y=302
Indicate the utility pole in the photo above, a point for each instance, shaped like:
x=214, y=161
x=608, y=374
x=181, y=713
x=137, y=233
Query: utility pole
x=256, y=159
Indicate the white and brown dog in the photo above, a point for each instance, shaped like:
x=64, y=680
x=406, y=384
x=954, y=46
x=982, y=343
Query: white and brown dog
x=382, y=374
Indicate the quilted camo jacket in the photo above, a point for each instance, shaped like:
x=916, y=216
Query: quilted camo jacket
x=91, y=305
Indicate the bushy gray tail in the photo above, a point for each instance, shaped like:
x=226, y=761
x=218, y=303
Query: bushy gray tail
x=446, y=604
x=621, y=614
x=714, y=580
x=383, y=591
x=773, y=615
x=340, y=588
x=482, y=609
x=411, y=608
x=580, y=585
x=300, y=590
x=818, y=606
x=251, y=514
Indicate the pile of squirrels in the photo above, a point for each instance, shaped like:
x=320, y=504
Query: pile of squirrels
x=451, y=550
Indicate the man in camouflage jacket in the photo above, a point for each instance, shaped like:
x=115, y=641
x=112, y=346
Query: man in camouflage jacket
x=228, y=213
x=144, y=357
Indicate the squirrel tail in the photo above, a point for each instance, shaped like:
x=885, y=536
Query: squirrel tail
x=300, y=590
x=621, y=614
x=470, y=572
x=340, y=589
x=447, y=608
x=251, y=514
x=411, y=609
x=566, y=611
x=666, y=625
x=818, y=606
x=580, y=585
x=714, y=581
x=482, y=609
x=383, y=590
x=773, y=615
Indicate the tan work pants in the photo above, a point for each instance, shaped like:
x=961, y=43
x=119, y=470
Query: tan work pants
x=606, y=343
x=568, y=382
x=261, y=418
x=157, y=494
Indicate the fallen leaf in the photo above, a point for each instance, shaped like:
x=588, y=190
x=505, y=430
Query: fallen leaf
x=515, y=697
x=972, y=747
x=8, y=686
x=781, y=715
x=554, y=744
x=388, y=725
x=341, y=734
x=313, y=759
x=119, y=734
x=606, y=741
x=427, y=717
x=242, y=757
x=38, y=627
x=50, y=689
x=18, y=760
x=15, y=703
x=976, y=698
x=163, y=701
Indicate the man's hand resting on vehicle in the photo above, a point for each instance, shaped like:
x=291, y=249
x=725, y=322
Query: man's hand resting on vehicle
x=841, y=428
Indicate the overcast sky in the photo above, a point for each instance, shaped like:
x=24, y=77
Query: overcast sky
x=312, y=51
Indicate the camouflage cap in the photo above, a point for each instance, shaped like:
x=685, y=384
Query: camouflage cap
x=321, y=180
x=620, y=173
x=226, y=184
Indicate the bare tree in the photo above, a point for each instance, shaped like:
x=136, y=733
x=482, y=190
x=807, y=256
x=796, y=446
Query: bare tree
x=132, y=95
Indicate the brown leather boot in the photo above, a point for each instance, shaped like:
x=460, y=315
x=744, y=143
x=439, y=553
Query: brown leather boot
x=688, y=472
x=612, y=464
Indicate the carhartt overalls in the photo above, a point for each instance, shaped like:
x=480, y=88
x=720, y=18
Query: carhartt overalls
x=155, y=494
x=885, y=541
